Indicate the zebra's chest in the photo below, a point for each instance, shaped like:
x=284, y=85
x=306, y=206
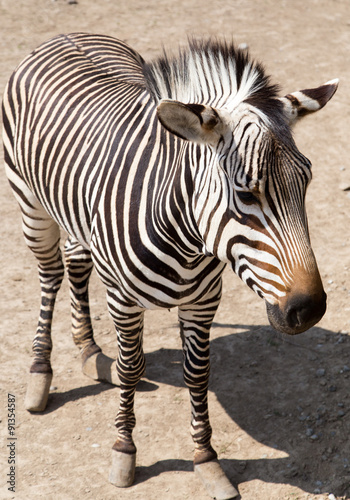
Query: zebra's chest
x=147, y=271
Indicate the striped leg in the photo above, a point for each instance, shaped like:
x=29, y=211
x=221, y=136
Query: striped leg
x=79, y=266
x=195, y=323
x=131, y=367
x=42, y=236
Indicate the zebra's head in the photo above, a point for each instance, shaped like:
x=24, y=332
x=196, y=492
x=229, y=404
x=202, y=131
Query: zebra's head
x=250, y=183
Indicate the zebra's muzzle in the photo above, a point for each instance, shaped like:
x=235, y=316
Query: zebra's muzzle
x=300, y=312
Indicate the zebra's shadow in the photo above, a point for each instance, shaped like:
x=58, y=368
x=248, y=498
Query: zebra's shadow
x=60, y=398
x=290, y=394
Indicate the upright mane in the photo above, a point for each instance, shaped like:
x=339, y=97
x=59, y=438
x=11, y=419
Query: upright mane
x=213, y=72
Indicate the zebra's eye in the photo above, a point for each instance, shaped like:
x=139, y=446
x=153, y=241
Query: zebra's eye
x=246, y=197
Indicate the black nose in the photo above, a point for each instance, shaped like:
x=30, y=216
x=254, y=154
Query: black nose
x=304, y=309
x=300, y=313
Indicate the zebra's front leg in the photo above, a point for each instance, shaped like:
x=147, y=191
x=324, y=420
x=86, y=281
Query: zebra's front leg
x=195, y=322
x=96, y=365
x=131, y=367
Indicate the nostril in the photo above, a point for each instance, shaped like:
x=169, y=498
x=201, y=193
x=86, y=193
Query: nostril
x=292, y=318
x=296, y=314
x=303, y=309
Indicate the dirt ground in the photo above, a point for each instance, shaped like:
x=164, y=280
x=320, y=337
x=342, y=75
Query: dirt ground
x=280, y=406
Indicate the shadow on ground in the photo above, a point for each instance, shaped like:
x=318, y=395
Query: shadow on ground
x=288, y=393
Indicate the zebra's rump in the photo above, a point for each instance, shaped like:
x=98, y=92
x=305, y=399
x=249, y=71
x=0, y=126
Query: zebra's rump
x=63, y=109
x=111, y=56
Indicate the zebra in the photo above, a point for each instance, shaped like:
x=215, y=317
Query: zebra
x=161, y=173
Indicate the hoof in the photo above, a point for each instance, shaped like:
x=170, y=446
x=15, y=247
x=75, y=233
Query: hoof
x=37, y=391
x=101, y=367
x=215, y=480
x=122, y=472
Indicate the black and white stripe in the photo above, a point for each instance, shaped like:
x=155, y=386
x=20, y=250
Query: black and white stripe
x=160, y=173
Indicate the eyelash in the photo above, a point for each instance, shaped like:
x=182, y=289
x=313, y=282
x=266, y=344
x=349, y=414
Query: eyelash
x=246, y=197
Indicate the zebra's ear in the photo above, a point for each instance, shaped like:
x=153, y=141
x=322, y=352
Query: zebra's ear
x=192, y=122
x=303, y=102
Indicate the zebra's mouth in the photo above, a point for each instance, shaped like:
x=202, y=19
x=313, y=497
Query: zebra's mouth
x=300, y=313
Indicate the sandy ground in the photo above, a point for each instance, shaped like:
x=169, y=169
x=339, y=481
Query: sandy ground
x=280, y=406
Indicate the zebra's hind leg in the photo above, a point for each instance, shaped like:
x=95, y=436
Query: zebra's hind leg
x=195, y=323
x=42, y=236
x=96, y=365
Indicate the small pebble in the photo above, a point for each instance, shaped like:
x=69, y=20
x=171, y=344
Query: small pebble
x=331, y=497
x=321, y=372
x=321, y=410
x=314, y=437
x=243, y=46
x=95, y=445
x=332, y=388
x=88, y=429
x=53, y=388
